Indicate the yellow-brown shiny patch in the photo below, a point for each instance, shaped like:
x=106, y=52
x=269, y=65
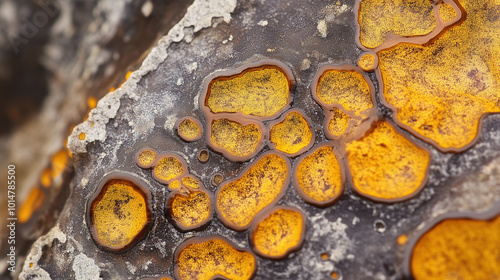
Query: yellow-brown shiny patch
x=191, y=210
x=118, y=214
x=279, y=233
x=59, y=162
x=146, y=158
x=291, y=134
x=386, y=166
x=347, y=88
x=368, y=62
x=30, y=205
x=261, y=92
x=458, y=249
x=189, y=129
x=319, y=176
x=211, y=258
x=261, y=185
x=235, y=139
x=168, y=168
x=46, y=179
x=441, y=91
x=381, y=19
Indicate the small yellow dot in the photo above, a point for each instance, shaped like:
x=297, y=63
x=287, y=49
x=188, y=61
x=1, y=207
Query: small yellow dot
x=402, y=239
x=92, y=102
x=368, y=62
x=334, y=275
x=31, y=264
x=81, y=136
x=324, y=256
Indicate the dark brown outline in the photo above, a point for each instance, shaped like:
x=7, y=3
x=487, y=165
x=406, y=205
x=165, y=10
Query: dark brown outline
x=370, y=69
x=263, y=215
x=247, y=168
x=238, y=118
x=326, y=123
x=344, y=67
x=98, y=193
x=212, y=180
x=489, y=214
x=382, y=200
x=171, y=197
x=177, y=157
x=299, y=190
x=145, y=166
x=271, y=124
x=203, y=151
x=203, y=239
x=240, y=71
x=393, y=40
x=178, y=122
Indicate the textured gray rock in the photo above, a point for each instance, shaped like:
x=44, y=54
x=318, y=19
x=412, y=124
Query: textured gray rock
x=217, y=35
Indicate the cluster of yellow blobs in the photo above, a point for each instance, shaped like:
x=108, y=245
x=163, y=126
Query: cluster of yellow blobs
x=189, y=204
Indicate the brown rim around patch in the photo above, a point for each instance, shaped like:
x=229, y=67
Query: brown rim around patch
x=178, y=122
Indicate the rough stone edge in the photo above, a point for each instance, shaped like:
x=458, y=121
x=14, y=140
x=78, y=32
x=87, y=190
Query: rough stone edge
x=199, y=16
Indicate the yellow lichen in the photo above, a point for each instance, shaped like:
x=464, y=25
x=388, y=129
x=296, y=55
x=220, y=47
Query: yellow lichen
x=402, y=239
x=119, y=214
x=92, y=102
x=379, y=19
x=292, y=135
x=146, y=158
x=261, y=92
x=348, y=88
x=213, y=258
x=189, y=129
x=319, y=176
x=46, y=179
x=81, y=136
x=447, y=12
x=59, y=162
x=174, y=184
x=368, y=62
x=168, y=168
x=191, y=182
x=458, y=249
x=30, y=205
x=384, y=165
x=440, y=91
x=237, y=139
x=338, y=123
x=190, y=210
x=238, y=201
x=279, y=233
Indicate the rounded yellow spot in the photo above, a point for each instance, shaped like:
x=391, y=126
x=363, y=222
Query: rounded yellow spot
x=81, y=136
x=203, y=156
x=59, y=162
x=338, y=122
x=235, y=140
x=213, y=257
x=189, y=211
x=458, y=249
x=217, y=179
x=31, y=264
x=385, y=166
x=379, y=19
x=334, y=275
x=402, y=239
x=46, y=179
x=260, y=186
x=174, y=184
x=119, y=214
x=278, y=233
x=127, y=76
x=347, y=88
x=319, y=176
x=261, y=92
x=368, y=62
x=325, y=256
x=168, y=168
x=30, y=205
x=146, y=158
x=291, y=134
x=92, y=102
x=189, y=129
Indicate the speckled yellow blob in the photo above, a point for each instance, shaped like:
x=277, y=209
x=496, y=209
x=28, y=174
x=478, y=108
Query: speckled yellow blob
x=339, y=123
x=385, y=165
x=292, y=134
x=458, y=249
x=189, y=130
x=192, y=209
x=168, y=168
x=212, y=258
x=238, y=140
